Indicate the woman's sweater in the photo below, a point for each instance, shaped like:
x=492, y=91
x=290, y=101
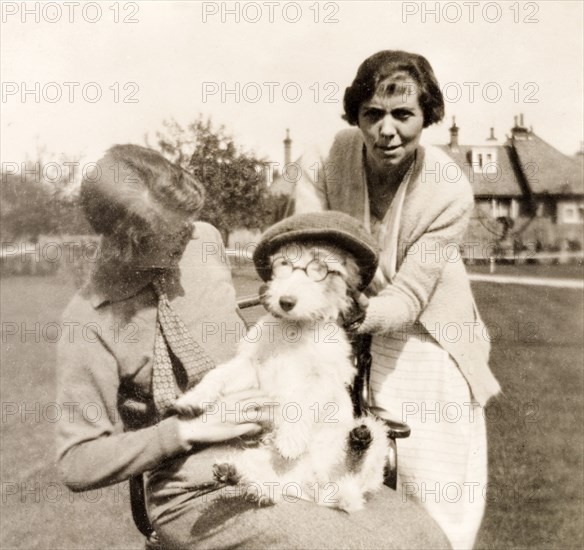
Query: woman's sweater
x=111, y=430
x=431, y=285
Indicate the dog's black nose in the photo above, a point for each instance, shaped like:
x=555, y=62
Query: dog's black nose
x=287, y=302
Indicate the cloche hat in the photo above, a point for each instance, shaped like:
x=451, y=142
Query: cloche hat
x=337, y=228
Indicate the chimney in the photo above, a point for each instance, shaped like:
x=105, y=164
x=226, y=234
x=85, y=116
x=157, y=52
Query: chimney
x=519, y=131
x=453, y=136
x=287, y=148
x=492, y=136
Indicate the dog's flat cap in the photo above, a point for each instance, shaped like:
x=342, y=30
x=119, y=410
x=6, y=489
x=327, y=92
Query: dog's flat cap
x=334, y=228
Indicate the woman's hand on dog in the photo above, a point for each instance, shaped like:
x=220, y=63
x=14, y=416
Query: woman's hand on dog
x=236, y=415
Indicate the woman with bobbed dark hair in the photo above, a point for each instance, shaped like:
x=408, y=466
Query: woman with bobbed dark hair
x=429, y=347
x=158, y=312
x=382, y=65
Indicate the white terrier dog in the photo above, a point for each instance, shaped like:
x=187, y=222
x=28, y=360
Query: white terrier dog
x=299, y=354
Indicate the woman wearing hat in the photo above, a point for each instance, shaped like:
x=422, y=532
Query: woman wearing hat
x=158, y=313
x=430, y=350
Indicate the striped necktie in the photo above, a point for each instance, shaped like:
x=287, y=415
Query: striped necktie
x=174, y=341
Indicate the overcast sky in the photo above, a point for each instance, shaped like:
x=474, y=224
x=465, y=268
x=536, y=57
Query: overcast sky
x=524, y=57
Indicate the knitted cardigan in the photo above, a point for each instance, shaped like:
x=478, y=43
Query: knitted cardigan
x=431, y=285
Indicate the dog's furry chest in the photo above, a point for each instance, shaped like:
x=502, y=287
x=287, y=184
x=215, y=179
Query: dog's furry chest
x=292, y=358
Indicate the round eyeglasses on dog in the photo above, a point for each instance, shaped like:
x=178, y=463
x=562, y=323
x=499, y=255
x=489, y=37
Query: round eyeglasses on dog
x=315, y=270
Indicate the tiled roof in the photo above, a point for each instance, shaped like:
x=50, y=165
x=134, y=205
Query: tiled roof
x=529, y=161
x=504, y=183
x=548, y=171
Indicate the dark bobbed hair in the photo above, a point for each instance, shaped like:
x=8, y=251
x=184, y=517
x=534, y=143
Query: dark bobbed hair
x=135, y=191
x=385, y=64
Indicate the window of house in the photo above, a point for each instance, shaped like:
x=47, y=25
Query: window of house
x=570, y=214
x=501, y=207
x=477, y=161
x=483, y=161
x=504, y=208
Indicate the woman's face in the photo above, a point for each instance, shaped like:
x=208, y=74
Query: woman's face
x=163, y=249
x=391, y=126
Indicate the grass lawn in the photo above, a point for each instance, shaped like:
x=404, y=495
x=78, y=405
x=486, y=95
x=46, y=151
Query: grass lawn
x=535, y=428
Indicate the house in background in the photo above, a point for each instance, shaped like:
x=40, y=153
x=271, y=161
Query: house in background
x=526, y=191
x=528, y=195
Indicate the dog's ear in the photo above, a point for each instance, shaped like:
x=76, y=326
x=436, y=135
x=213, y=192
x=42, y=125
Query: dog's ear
x=353, y=277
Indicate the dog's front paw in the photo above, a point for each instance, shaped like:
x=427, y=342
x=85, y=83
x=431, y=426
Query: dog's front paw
x=261, y=500
x=262, y=495
x=193, y=403
x=226, y=473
